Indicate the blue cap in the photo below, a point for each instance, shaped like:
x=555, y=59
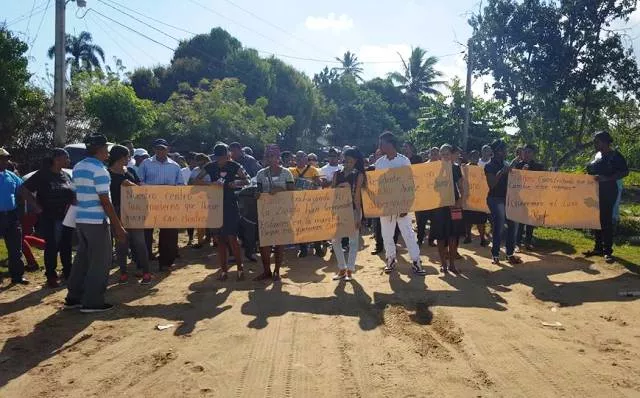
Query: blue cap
x=160, y=142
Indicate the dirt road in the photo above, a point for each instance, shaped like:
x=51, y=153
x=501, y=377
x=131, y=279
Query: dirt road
x=479, y=334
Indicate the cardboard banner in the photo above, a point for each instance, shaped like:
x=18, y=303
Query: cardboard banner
x=162, y=206
x=476, y=189
x=544, y=198
x=305, y=216
x=423, y=186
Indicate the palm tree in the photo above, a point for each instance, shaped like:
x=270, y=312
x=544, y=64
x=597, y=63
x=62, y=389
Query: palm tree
x=419, y=76
x=82, y=53
x=350, y=66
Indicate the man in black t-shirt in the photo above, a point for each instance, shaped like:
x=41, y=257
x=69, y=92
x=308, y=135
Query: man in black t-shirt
x=525, y=232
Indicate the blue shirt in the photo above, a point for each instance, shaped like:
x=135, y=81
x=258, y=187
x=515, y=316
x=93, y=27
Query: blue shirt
x=91, y=178
x=9, y=186
x=155, y=172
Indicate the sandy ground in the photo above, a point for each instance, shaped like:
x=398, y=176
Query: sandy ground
x=480, y=334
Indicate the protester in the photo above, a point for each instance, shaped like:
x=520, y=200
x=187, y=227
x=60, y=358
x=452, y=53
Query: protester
x=199, y=161
x=333, y=165
x=139, y=156
x=10, y=187
x=273, y=179
x=471, y=217
x=610, y=167
x=90, y=271
x=486, y=155
x=409, y=150
x=247, y=150
x=312, y=158
x=230, y=176
x=307, y=177
x=287, y=160
x=160, y=170
x=121, y=177
x=497, y=173
x=528, y=163
x=447, y=222
x=388, y=144
x=54, y=194
x=352, y=177
x=129, y=145
x=248, y=162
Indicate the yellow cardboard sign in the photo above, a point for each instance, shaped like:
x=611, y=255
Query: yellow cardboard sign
x=544, y=198
x=423, y=186
x=305, y=216
x=161, y=206
x=475, y=189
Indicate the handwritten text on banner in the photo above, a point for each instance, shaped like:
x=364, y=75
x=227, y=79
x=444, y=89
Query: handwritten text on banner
x=171, y=206
x=552, y=199
x=475, y=189
x=422, y=186
x=305, y=216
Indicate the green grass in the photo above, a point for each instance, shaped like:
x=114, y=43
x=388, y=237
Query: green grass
x=630, y=210
x=632, y=180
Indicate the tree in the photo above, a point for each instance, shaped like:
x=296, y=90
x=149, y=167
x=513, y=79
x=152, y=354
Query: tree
x=83, y=55
x=350, y=66
x=441, y=120
x=549, y=60
x=419, y=75
x=121, y=114
x=13, y=69
x=198, y=117
x=404, y=108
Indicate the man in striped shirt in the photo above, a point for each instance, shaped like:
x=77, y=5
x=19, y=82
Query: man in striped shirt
x=90, y=271
x=161, y=170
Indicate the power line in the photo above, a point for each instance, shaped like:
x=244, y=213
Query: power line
x=39, y=27
x=95, y=22
x=258, y=17
x=39, y=10
x=30, y=15
x=151, y=18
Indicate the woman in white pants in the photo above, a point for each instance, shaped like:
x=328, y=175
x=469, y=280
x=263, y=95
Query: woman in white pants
x=391, y=159
x=352, y=176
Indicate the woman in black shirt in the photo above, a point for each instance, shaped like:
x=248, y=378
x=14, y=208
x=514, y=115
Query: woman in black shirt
x=230, y=176
x=54, y=193
x=608, y=169
x=122, y=177
x=447, y=223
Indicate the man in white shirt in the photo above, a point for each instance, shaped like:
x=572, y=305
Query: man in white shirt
x=329, y=170
x=391, y=159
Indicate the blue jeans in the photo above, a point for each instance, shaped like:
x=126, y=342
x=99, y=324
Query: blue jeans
x=57, y=240
x=498, y=219
x=11, y=230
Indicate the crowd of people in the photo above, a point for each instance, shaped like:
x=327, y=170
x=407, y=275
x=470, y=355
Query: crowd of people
x=95, y=184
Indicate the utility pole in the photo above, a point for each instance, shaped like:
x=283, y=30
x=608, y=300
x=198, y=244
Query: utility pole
x=59, y=97
x=60, y=136
x=467, y=98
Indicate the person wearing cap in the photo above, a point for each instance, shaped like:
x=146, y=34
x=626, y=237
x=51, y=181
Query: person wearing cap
x=497, y=173
x=248, y=162
x=273, y=178
x=54, y=194
x=608, y=168
x=229, y=175
x=161, y=170
x=90, y=271
x=10, y=187
x=486, y=154
x=139, y=156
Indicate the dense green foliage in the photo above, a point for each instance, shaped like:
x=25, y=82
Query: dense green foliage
x=14, y=77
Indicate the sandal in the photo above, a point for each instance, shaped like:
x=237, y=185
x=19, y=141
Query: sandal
x=514, y=260
x=263, y=277
x=224, y=275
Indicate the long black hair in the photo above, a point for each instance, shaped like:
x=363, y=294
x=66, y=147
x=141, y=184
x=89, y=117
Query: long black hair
x=355, y=154
x=47, y=161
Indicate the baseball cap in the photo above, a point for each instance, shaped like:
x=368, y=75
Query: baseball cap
x=95, y=139
x=140, y=152
x=160, y=142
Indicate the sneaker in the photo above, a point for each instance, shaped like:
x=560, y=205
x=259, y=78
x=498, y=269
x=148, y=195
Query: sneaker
x=52, y=282
x=71, y=305
x=348, y=277
x=339, y=276
x=21, y=281
x=124, y=278
x=609, y=259
x=417, y=269
x=146, y=279
x=89, y=310
x=391, y=265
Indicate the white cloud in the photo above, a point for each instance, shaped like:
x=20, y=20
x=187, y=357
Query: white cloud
x=330, y=22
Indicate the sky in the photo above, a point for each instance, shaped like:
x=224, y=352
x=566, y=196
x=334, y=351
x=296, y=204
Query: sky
x=306, y=34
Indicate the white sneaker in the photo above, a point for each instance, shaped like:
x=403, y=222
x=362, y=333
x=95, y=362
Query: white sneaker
x=391, y=265
x=417, y=269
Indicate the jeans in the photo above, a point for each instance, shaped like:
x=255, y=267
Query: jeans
x=138, y=246
x=353, y=252
x=57, y=239
x=525, y=234
x=90, y=272
x=11, y=231
x=167, y=247
x=388, y=225
x=604, y=236
x=498, y=219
